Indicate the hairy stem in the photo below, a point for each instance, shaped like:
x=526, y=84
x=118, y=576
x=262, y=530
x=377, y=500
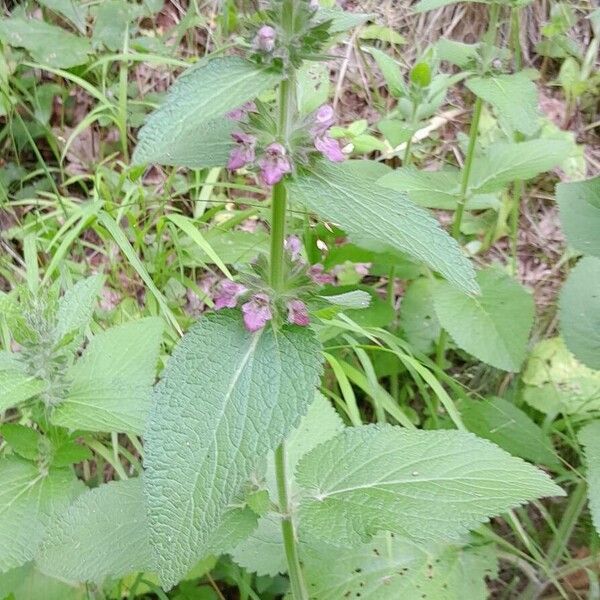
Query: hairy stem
x=287, y=108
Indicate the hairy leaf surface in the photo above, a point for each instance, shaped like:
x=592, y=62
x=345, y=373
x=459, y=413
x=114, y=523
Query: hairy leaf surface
x=28, y=500
x=16, y=385
x=494, y=326
x=514, y=97
x=375, y=217
x=428, y=486
x=389, y=568
x=111, y=385
x=589, y=436
x=227, y=397
x=580, y=311
x=190, y=129
x=28, y=583
x=579, y=203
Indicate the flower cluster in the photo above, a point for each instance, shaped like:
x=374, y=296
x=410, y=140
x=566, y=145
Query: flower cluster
x=275, y=160
x=257, y=309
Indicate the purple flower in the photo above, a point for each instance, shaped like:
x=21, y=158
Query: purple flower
x=318, y=275
x=256, y=312
x=314, y=4
x=229, y=292
x=362, y=269
x=324, y=118
x=293, y=245
x=239, y=114
x=298, y=313
x=330, y=148
x=243, y=153
x=265, y=40
x=274, y=164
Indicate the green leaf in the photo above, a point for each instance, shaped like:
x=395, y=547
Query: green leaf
x=112, y=19
x=514, y=98
x=16, y=386
x=76, y=306
x=192, y=115
x=589, y=437
x=23, y=440
x=428, y=486
x=313, y=86
x=391, y=72
x=72, y=11
x=27, y=583
x=28, y=501
x=381, y=33
x=494, y=327
x=47, y=44
x=227, y=397
x=103, y=533
x=111, y=387
x=507, y=162
x=457, y=53
x=579, y=204
x=69, y=452
x=501, y=422
x=431, y=189
x=425, y=5
x=420, y=74
x=263, y=552
x=341, y=20
x=347, y=194
x=580, y=311
x=418, y=320
x=557, y=382
x=390, y=568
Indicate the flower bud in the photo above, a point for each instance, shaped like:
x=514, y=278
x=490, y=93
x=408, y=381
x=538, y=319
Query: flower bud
x=298, y=313
x=265, y=39
x=274, y=164
x=257, y=312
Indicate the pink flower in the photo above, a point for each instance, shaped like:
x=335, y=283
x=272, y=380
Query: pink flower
x=330, y=148
x=314, y=4
x=239, y=114
x=265, y=40
x=324, y=118
x=229, y=292
x=318, y=275
x=293, y=245
x=243, y=153
x=274, y=164
x=362, y=268
x=256, y=312
x=298, y=313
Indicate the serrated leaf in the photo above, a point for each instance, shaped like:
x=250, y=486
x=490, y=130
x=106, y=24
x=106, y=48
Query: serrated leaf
x=25, y=441
x=389, y=568
x=16, y=386
x=589, y=437
x=432, y=189
x=28, y=583
x=580, y=311
x=226, y=398
x=28, y=501
x=418, y=320
x=111, y=384
x=48, y=44
x=507, y=162
x=501, y=422
x=263, y=552
x=557, y=382
x=579, y=204
x=76, y=306
x=192, y=115
x=457, y=53
x=494, y=327
x=429, y=486
x=103, y=533
x=347, y=194
x=514, y=98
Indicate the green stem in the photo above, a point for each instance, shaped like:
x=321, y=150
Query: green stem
x=466, y=174
x=408, y=150
x=287, y=109
x=515, y=215
x=515, y=28
x=287, y=528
